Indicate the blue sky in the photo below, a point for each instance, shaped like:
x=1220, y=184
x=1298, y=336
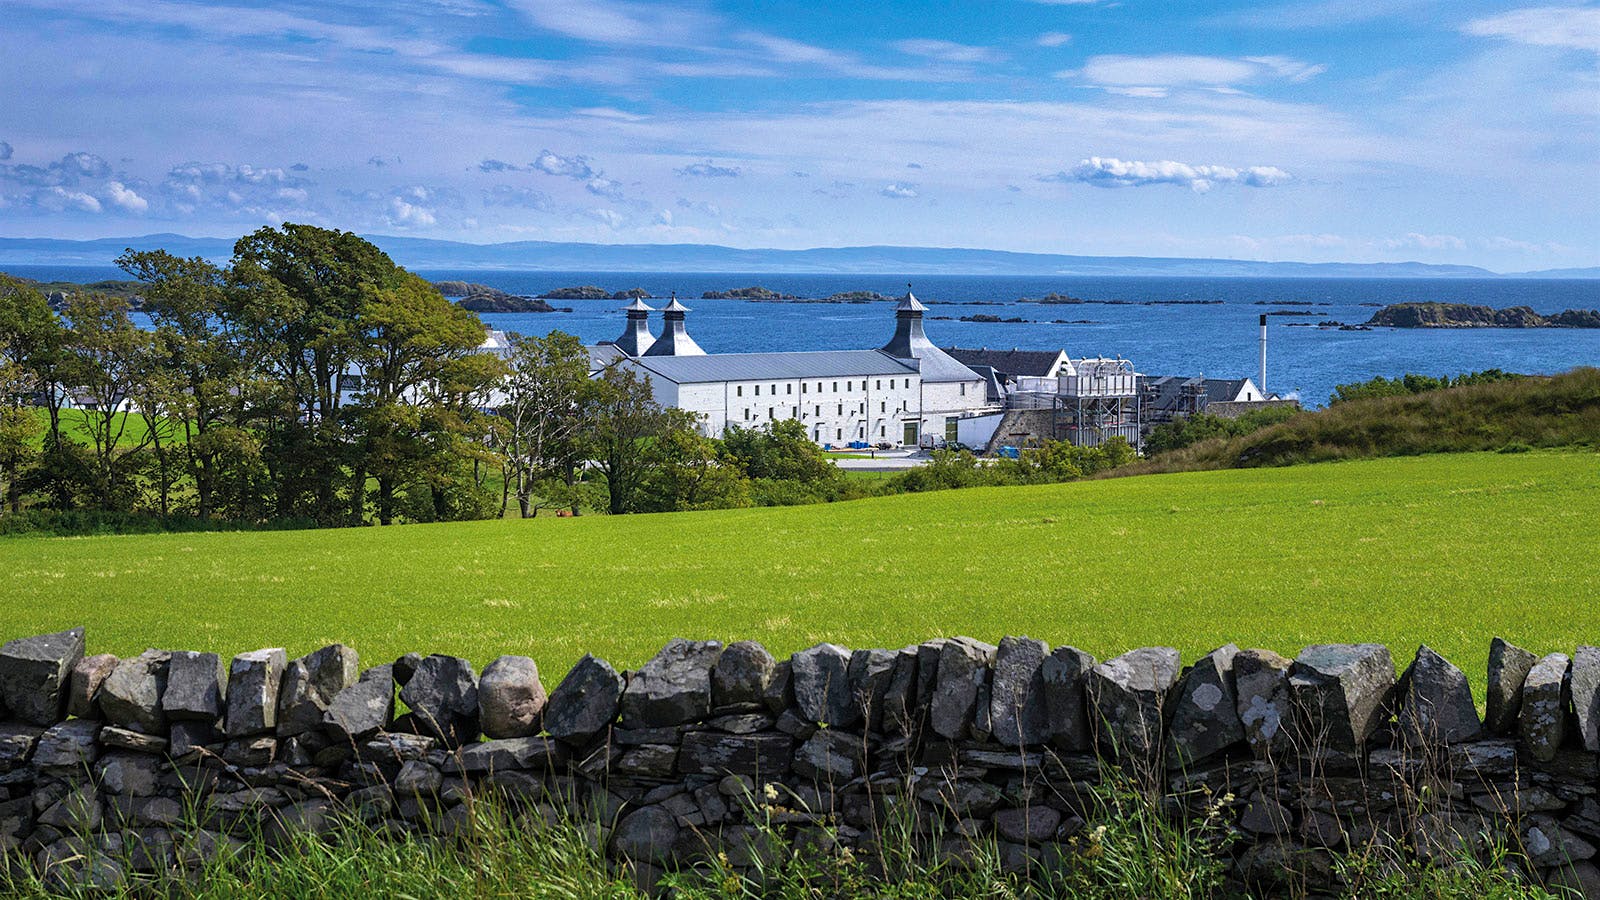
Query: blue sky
x=1359, y=130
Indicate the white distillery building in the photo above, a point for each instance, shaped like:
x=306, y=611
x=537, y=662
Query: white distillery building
x=908, y=392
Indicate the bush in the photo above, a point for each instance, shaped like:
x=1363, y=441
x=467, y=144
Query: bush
x=1188, y=430
x=86, y=522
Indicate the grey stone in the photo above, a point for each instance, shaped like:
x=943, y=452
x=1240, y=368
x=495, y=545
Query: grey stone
x=1435, y=701
x=742, y=674
x=186, y=737
x=34, y=673
x=536, y=753
x=645, y=835
x=1577, y=879
x=84, y=683
x=69, y=745
x=963, y=798
x=1341, y=693
x=1508, y=669
x=405, y=667
x=1027, y=825
x=78, y=812
x=1065, y=674
x=1542, y=721
x=133, y=774
x=779, y=694
x=253, y=681
x=257, y=750
x=398, y=747
x=900, y=698
x=510, y=698
x=196, y=686
x=1265, y=815
x=742, y=723
x=443, y=696
x=131, y=695
x=821, y=680
x=868, y=675
x=963, y=672
x=16, y=744
x=756, y=755
x=585, y=702
x=154, y=811
x=830, y=756
x=1018, y=708
x=1261, y=688
x=1205, y=711
x=1585, y=681
x=649, y=760
x=309, y=685
x=127, y=739
x=1128, y=695
x=418, y=779
x=1547, y=843
x=673, y=688
x=364, y=708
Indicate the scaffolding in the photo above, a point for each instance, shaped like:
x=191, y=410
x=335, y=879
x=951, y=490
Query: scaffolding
x=1168, y=398
x=1098, y=400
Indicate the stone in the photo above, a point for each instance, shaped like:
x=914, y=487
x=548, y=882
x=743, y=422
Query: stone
x=73, y=744
x=742, y=674
x=963, y=798
x=649, y=761
x=1542, y=720
x=133, y=774
x=1435, y=703
x=900, y=697
x=1027, y=825
x=1018, y=710
x=1264, y=815
x=253, y=682
x=256, y=750
x=820, y=676
x=1261, y=691
x=1341, y=693
x=1128, y=694
x=131, y=695
x=34, y=673
x=418, y=779
x=1508, y=669
x=196, y=687
x=673, y=688
x=585, y=702
x=1205, y=711
x=84, y=683
x=1065, y=676
x=16, y=744
x=536, y=753
x=962, y=674
x=761, y=756
x=830, y=756
x=510, y=698
x=742, y=723
x=1585, y=688
x=1546, y=842
x=645, y=835
x=779, y=694
x=363, y=709
x=868, y=676
x=128, y=739
x=309, y=685
x=443, y=696
x=78, y=812
x=405, y=667
x=1577, y=879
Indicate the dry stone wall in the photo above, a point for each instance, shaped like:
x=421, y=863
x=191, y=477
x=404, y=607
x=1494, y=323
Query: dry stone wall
x=176, y=755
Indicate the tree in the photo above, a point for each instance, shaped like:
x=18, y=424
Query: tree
x=543, y=395
x=104, y=361
x=31, y=338
x=622, y=420
x=687, y=470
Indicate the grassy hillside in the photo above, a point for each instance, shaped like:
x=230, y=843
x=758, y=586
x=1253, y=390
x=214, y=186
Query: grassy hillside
x=1446, y=550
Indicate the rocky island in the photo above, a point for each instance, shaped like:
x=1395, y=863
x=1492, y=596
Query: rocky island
x=1462, y=315
x=755, y=292
x=481, y=298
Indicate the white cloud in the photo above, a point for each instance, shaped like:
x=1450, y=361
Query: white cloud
x=405, y=214
x=516, y=196
x=1285, y=67
x=608, y=217
x=126, y=198
x=1054, y=39
x=663, y=217
x=1425, y=242
x=1155, y=76
x=604, y=187
x=700, y=206
x=1109, y=172
x=59, y=198
x=708, y=170
x=899, y=191
x=947, y=51
x=576, y=167
x=1573, y=28
x=834, y=62
x=617, y=22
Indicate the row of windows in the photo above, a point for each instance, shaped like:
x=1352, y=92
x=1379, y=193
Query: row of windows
x=805, y=388
x=883, y=407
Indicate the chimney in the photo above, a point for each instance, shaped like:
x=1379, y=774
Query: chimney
x=636, y=337
x=908, y=341
x=1262, y=385
x=674, y=340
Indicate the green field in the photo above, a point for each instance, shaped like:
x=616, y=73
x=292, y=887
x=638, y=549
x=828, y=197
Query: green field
x=1446, y=550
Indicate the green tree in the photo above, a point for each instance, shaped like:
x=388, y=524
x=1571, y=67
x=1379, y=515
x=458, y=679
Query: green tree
x=621, y=422
x=31, y=338
x=105, y=359
x=544, y=396
x=689, y=471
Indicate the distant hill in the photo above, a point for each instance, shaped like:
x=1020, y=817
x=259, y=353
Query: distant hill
x=426, y=253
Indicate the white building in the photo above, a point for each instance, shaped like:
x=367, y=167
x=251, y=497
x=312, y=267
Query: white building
x=908, y=392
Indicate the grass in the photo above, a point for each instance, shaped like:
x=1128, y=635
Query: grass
x=1445, y=550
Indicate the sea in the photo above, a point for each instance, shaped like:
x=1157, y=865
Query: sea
x=1166, y=326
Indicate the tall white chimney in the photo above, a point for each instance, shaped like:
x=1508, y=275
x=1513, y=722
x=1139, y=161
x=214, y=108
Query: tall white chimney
x=1263, y=383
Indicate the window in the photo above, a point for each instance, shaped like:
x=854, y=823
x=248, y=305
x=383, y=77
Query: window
x=747, y=413
x=878, y=385
x=882, y=406
x=819, y=387
x=841, y=409
x=849, y=385
x=835, y=387
x=838, y=434
x=802, y=387
x=963, y=388
x=818, y=411
x=883, y=431
x=891, y=384
x=758, y=390
x=739, y=391
x=774, y=390
x=770, y=414
x=788, y=389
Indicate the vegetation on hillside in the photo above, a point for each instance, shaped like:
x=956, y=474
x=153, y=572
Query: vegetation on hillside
x=1182, y=432
x=1414, y=384
x=1385, y=418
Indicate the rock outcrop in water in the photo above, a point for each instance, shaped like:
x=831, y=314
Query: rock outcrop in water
x=1462, y=315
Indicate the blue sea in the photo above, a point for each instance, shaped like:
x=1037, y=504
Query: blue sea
x=1218, y=339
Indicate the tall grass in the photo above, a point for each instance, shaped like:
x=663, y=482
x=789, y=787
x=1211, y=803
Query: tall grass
x=1559, y=411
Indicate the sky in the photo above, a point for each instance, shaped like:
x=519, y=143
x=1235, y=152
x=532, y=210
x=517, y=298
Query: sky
x=1448, y=131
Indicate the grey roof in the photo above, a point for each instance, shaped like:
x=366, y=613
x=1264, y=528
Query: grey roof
x=1167, y=389
x=910, y=303
x=603, y=354
x=909, y=343
x=675, y=306
x=716, y=367
x=638, y=305
x=1008, y=363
